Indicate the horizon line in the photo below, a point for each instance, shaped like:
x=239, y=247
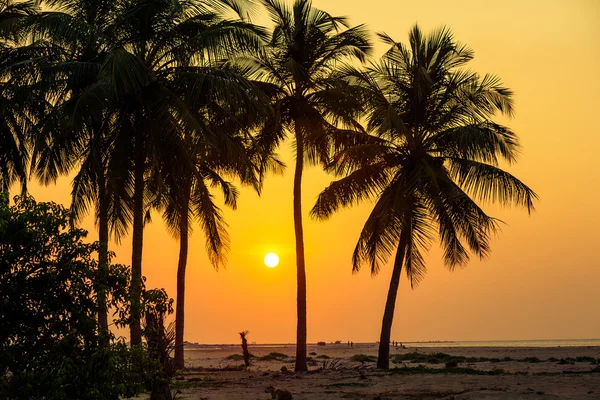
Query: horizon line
x=399, y=341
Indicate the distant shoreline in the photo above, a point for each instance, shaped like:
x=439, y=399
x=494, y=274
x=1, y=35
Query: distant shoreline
x=432, y=343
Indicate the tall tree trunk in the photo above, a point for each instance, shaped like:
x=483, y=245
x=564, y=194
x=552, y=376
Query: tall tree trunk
x=300, y=267
x=102, y=253
x=181, y=266
x=138, y=240
x=383, y=357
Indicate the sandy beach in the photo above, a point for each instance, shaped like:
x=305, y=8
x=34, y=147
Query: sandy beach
x=338, y=371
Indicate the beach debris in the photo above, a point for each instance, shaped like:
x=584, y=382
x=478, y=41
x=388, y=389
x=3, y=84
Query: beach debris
x=279, y=394
x=284, y=369
x=246, y=353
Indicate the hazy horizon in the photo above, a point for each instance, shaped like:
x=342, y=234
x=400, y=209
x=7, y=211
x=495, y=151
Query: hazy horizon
x=541, y=280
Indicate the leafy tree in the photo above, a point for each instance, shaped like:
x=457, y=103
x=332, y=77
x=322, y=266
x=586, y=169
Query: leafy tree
x=77, y=35
x=223, y=106
x=433, y=154
x=215, y=156
x=159, y=60
x=49, y=338
x=304, y=50
x=18, y=107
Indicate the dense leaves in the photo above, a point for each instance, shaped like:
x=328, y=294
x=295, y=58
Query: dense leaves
x=312, y=104
x=431, y=157
x=50, y=344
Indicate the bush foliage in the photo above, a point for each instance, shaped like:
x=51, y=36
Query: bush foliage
x=50, y=344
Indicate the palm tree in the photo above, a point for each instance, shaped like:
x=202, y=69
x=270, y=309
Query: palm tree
x=222, y=148
x=77, y=38
x=141, y=69
x=306, y=46
x=160, y=47
x=17, y=103
x=433, y=154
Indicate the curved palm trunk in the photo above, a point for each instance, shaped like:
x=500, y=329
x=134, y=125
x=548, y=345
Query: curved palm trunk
x=181, y=266
x=102, y=255
x=138, y=241
x=300, y=267
x=383, y=357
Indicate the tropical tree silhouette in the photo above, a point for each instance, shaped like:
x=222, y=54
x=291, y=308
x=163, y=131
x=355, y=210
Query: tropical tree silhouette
x=221, y=149
x=113, y=90
x=433, y=154
x=157, y=46
x=19, y=107
x=77, y=35
x=305, y=47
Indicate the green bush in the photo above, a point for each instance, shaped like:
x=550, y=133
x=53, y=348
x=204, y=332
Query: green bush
x=363, y=358
x=50, y=345
x=274, y=356
x=437, y=358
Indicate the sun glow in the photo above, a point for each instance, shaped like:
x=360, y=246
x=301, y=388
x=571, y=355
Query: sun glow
x=271, y=260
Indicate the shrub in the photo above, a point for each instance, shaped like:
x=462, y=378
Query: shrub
x=235, y=357
x=363, y=358
x=274, y=356
x=532, y=360
x=49, y=337
x=437, y=358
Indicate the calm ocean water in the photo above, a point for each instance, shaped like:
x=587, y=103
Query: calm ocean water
x=513, y=343
x=481, y=343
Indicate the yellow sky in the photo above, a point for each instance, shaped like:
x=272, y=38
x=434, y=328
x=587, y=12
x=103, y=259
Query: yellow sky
x=541, y=281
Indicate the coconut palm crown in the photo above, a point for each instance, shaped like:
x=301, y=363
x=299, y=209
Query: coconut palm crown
x=433, y=155
x=313, y=106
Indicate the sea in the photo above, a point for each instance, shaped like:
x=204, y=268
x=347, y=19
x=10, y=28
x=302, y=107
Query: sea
x=477, y=343
x=511, y=343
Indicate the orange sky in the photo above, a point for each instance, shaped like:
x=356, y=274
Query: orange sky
x=541, y=281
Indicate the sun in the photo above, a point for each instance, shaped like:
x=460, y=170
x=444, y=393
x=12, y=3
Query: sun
x=271, y=260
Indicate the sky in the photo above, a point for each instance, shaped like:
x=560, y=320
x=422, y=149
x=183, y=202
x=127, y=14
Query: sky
x=541, y=280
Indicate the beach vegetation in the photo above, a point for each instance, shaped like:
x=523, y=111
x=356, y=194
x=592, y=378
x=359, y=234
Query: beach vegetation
x=52, y=343
x=363, y=358
x=312, y=105
x=274, y=356
x=432, y=157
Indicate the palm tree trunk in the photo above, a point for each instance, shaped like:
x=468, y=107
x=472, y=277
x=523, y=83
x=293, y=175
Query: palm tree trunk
x=181, y=266
x=138, y=240
x=102, y=254
x=383, y=357
x=300, y=267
